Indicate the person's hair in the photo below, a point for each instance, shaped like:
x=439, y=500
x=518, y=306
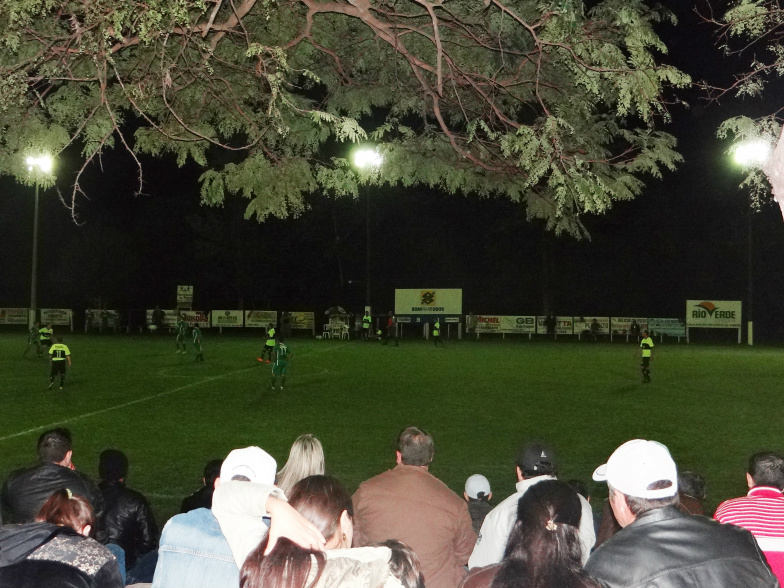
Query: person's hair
x=544, y=549
x=59, y=339
x=638, y=505
x=112, y=465
x=321, y=500
x=306, y=458
x=53, y=445
x=415, y=447
x=212, y=471
x=767, y=469
x=404, y=564
x=68, y=510
x=691, y=484
x=580, y=487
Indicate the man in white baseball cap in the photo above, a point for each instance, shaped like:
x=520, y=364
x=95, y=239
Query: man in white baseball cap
x=660, y=545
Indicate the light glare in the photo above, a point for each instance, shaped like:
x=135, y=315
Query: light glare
x=752, y=153
x=367, y=158
x=42, y=162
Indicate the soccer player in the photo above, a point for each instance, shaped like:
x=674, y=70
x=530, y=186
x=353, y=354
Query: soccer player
x=45, y=337
x=182, y=332
x=645, y=350
x=33, y=340
x=58, y=355
x=269, y=346
x=437, y=333
x=367, y=321
x=197, y=343
x=282, y=356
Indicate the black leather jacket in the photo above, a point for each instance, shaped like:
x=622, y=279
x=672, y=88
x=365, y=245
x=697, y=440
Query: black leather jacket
x=665, y=548
x=129, y=521
x=25, y=491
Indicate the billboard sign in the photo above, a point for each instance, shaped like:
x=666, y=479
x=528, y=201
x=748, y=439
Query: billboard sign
x=505, y=324
x=432, y=301
x=671, y=327
x=714, y=314
x=303, y=320
x=261, y=319
x=564, y=325
x=56, y=316
x=582, y=324
x=226, y=318
x=623, y=325
x=13, y=316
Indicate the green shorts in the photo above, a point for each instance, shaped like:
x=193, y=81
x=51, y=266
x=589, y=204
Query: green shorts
x=279, y=369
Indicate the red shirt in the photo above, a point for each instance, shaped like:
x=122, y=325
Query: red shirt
x=762, y=513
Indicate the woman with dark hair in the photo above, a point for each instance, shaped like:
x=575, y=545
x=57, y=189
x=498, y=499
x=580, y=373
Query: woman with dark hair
x=324, y=502
x=56, y=551
x=544, y=547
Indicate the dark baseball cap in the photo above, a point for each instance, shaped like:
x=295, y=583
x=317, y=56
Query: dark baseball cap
x=536, y=457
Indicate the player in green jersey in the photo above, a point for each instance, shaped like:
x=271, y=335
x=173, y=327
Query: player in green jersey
x=182, y=333
x=33, y=340
x=58, y=355
x=645, y=351
x=197, y=343
x=282, y=356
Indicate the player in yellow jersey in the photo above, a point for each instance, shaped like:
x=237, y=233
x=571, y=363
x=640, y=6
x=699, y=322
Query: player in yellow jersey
x=645, y=350
x=58, y=355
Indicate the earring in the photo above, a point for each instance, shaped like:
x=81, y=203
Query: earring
x=344, y=539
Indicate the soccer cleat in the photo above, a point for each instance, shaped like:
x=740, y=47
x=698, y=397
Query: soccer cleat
x=267, y=361
x=259, y=359
x=61, y=388
x=272, y=387
x=281, y=388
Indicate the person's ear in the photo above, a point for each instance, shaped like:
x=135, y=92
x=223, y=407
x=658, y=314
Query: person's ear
x=86, y=530
x=398, y=458
x=519, y=473
x=749, y=480
x=216, y=483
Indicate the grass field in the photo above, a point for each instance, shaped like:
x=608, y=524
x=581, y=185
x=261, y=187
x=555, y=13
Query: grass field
x=712, y=406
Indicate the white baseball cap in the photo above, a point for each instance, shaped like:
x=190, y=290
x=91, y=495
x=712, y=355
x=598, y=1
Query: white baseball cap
x=636, y=465
x=476, y=485
x=252, y=462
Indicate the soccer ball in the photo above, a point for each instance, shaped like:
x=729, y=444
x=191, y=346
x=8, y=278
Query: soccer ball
x=318, y=337
x=153, y=327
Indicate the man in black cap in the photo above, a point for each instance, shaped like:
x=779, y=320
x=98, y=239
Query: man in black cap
x=535, y=463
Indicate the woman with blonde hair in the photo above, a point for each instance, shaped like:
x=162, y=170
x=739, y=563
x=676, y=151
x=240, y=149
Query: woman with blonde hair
x=306, y=458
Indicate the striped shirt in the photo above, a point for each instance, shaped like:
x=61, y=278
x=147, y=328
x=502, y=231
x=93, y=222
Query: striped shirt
x=762, y=513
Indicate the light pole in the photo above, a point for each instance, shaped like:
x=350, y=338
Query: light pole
x=367, y=159
x=43, y=164
x=750, y=154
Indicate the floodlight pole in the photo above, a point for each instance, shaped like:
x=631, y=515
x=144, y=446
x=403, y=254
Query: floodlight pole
x=750, y=290
x=34, y=276
x=367, y=246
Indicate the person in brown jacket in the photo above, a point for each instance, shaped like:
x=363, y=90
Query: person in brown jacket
x=411, y=505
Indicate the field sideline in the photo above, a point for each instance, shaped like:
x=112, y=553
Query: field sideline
x=713, y=406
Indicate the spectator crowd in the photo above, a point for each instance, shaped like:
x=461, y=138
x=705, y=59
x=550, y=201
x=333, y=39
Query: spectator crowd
x=252, y=525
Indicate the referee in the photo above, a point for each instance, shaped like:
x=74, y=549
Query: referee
x=58, y=355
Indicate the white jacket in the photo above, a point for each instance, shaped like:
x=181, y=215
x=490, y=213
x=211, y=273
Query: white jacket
x=495, y=531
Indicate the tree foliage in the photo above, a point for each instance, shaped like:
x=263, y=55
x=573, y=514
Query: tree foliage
x=547, y=102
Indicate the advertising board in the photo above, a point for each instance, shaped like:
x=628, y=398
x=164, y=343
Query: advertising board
x=564, y=325
x=671, y=327
x=260, y=319
x=429, y=301
x=714, y=314
x=226, y=318
x=583, y=324
x=505, y=324
x=622, y=325
x=13, y=316
x=56, y=316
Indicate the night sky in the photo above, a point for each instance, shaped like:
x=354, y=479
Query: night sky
x=685, y=237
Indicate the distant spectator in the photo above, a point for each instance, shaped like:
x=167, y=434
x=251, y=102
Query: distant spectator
x=691, y=492
x=71, y=543
x=25, y=490
x=594, y=329
x=202, y=498
x=129, y=519
x=544, y=549
x=634, y=330
x=478, y=494
x=661, y=546
x=323, y=501
x=535, y=463
x=306, y=458
x=761, y=511
x=411, y=505
x=193, y=550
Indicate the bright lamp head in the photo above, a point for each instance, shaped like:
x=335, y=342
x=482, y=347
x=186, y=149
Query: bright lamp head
x=367, y=158
x=42, y=162
x=753, y=153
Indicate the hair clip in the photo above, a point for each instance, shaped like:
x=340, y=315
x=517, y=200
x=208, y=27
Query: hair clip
x=70, y=494
x=551, y=526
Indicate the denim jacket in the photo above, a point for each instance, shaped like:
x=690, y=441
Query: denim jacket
x=193, y=553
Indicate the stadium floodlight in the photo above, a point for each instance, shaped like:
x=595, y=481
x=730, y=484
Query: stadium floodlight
x=43, y=163
x=752, y=153
x=367, y=158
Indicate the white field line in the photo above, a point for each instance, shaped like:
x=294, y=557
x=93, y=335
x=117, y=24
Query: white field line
x=140, y=400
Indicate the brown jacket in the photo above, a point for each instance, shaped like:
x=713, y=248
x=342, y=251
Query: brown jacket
x=411, y=505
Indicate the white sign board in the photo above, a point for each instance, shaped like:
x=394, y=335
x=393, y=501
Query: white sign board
x=429, y=301
x=564, y=325
x=303, y=320
x=671, y=327
x=13, y=316
x=714, y=314
x=505, y=324
x=623, y=325
x=226, y=318
x=56, y=316
x=583, y=324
